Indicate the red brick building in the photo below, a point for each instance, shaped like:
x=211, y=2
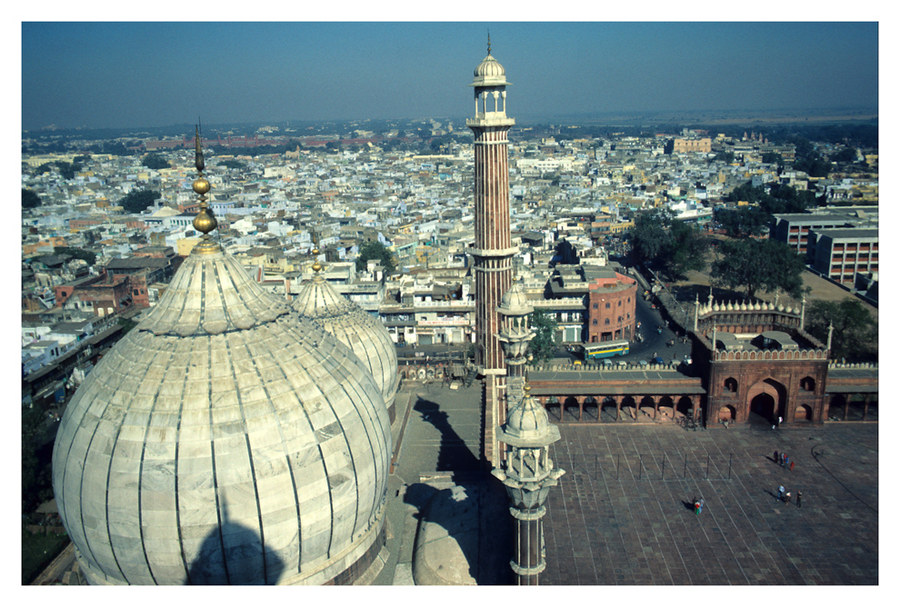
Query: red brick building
x=611, y=306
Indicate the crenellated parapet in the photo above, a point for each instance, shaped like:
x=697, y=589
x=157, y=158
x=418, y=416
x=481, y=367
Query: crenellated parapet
x=769, y=355
x=746, y=317
x=864, y=366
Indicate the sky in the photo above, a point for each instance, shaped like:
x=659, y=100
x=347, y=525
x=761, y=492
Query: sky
x=132, y=74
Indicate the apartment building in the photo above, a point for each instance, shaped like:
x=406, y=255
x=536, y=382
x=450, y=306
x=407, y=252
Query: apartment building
x=841, y=254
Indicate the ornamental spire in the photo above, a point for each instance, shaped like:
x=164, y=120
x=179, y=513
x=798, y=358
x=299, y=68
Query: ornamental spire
x=204, y=222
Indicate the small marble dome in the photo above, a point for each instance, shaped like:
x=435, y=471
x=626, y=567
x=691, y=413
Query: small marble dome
x=355, y=328
x=528, y=425
x=489, y=72
x=223, y=440
x=514, y=301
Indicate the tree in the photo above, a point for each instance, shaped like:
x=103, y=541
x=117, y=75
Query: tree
x=138, y=200
x=742, y=221
x=725, y=156
x=846, y=155
x=30, y=200
x=89, y=257
x=671, y=245
x=232, y=164
x=373, y=249
x=855, y=336
x=564, y=253
x=544, y=344
x=155, y=161
x=758, y=265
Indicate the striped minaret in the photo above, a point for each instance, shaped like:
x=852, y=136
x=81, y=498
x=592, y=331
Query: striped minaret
x=493, y=247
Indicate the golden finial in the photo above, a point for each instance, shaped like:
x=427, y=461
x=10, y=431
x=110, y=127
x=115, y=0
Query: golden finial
x=204, y=222
x=489, y=42
x=316, y=267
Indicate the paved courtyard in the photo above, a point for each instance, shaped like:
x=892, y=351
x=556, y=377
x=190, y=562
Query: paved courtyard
x=624, y=515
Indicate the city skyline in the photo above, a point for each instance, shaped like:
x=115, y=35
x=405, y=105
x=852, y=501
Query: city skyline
x=127, y=75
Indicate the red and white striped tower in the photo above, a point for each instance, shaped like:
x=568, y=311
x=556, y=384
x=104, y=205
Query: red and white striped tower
x=493, y=246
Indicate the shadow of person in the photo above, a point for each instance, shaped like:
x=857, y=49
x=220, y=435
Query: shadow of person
x=688, y=505
x=234, y=554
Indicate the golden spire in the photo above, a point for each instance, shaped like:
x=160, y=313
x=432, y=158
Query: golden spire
x=204, y=222
x=316, y=267
x=489, y=42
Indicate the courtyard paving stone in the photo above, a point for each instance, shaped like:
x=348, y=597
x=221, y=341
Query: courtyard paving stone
x=623, y=514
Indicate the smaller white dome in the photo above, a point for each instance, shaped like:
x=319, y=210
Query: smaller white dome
x=528, y=425
x=514, y=301
x=489, y=72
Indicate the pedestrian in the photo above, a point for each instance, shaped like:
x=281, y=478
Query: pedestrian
x=775, y=457
x=792, y=466
x=780, y=493
x=799, y=495
x=702, y=503
x=697, y=508
x=787, y=461
x=787, y=497
x=780, y=419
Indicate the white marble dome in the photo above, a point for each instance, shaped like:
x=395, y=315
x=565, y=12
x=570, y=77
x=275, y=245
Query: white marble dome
x=489, y=72
x=355, y=328
x=223, y=440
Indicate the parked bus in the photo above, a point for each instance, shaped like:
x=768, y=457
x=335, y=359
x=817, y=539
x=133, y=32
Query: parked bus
x=606, y=349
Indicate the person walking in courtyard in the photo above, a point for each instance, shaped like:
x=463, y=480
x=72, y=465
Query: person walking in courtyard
x=787, y=497
x=787, y=461
x=780, y=493
x=775, y=456
x=792, y=466
x=799, y=495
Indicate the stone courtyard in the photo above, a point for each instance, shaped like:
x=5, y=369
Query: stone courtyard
x=624, y=513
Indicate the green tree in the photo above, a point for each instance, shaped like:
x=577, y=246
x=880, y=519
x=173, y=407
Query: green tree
x=672, y=246
x=564, y=253
x=847, y=155
x=725, y=156
x=88, y=256
x=742, y=221
x=36, y=484
x=855, y=336
x=138, y=200
x=30, y=199
x=373, y=249
x=232, y=164
x=756, y=265
x=155, y=161
x=544, y=344
x=772, y=158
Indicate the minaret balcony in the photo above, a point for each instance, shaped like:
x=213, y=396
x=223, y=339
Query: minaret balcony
x=487, y=119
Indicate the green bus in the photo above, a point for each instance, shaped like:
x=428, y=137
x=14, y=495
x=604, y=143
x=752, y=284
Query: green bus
x=606, y=349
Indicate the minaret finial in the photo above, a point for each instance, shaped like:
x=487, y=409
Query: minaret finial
x=489, y=42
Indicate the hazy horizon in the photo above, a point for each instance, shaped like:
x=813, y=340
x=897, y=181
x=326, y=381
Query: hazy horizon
x=133, y=75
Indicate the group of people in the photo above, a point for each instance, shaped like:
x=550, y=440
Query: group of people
x=784, y=461
x=785, y=496
x=698, y=506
